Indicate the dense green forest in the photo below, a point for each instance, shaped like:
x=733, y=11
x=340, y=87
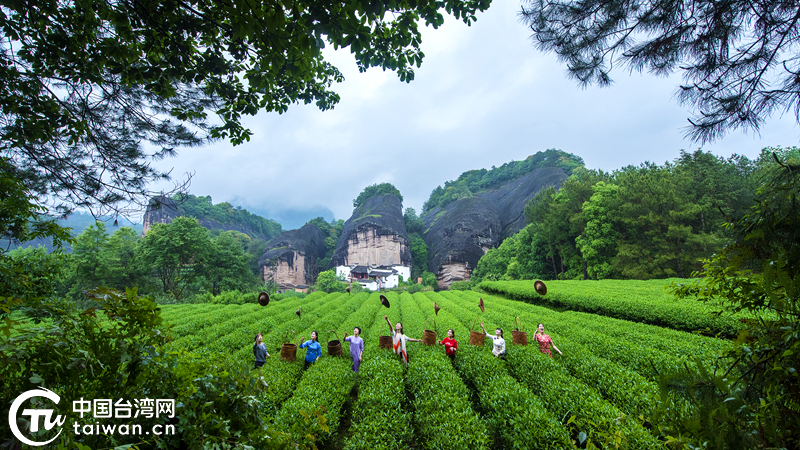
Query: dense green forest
x=174, y=262
x=474, y=182
x=638, y=222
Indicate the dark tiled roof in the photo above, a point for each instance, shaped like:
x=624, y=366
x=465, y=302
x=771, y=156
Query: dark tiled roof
x=359, y=269
x=380, y=273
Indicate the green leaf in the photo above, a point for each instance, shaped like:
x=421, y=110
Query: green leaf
x=36, y=379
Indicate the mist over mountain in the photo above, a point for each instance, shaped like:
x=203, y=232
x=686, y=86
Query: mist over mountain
x=290, y=218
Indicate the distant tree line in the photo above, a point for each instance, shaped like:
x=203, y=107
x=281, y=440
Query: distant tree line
x=201, y=207
x=639, y=222
x=172, y=261
x=476, y=181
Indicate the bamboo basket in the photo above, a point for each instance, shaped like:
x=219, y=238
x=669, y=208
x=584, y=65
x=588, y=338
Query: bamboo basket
x=334, y=346
x=519, y=337
x=385, y=341
x=428, y=336
x=288, y=350
x=475, y=338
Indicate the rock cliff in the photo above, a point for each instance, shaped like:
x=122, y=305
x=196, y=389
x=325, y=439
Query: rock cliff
x=463, y=231
x=160, y=209
x=375, y=234
x=290, y=258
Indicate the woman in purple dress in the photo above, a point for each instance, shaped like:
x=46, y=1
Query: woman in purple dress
x=356, y=347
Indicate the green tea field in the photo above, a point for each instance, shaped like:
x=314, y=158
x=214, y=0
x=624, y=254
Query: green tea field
x=603, y=390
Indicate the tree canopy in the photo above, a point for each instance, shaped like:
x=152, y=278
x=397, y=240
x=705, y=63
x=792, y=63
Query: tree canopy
x=739, y=59
x=177, y=252
x=374, y=191
x=752, y=404
x=327, y=282
x=93, y=91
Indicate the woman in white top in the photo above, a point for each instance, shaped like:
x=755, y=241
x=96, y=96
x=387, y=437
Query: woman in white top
x=399, y=340
x=498, y=343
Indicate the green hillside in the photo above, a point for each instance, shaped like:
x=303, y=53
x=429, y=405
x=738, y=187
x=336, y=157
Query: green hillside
x=476, y=181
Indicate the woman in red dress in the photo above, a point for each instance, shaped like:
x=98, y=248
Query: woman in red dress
x=545, y=341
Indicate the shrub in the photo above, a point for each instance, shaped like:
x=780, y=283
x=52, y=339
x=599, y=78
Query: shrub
x=414, y=288
x=327, y=282
x=205, y=297
x=461, y=286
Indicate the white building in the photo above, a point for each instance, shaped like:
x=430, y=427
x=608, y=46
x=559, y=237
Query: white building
x=374, y=277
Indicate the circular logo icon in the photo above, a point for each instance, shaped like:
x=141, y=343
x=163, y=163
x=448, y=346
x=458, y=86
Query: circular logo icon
x=34, y=414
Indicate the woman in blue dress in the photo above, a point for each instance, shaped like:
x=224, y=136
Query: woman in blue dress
x=314, y=350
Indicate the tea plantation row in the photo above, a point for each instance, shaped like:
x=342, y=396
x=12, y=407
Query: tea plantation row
x=649, y=302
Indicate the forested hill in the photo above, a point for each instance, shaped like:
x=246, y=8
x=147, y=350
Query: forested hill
x=474, y=182
x=222, y=216
x=639, y=222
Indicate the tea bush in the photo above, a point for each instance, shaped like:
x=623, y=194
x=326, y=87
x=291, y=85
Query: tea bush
x=636, y=301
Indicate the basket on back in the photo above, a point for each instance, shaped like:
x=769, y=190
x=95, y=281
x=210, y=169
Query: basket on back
x=519, y=337
x=385, y=341
x=334, y=346
x=428, y=336
x=288, y=350
x=475, y=338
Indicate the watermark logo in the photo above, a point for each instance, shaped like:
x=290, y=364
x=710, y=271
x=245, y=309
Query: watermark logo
x=34, y=414
x=98, y=409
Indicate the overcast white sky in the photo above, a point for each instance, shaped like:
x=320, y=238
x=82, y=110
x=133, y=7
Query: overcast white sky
x=483, y=96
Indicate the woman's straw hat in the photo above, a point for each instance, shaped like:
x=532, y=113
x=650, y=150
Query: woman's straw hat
x=541, y=289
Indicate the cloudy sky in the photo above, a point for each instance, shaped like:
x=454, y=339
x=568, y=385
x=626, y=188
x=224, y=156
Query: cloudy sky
x=483, y=96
